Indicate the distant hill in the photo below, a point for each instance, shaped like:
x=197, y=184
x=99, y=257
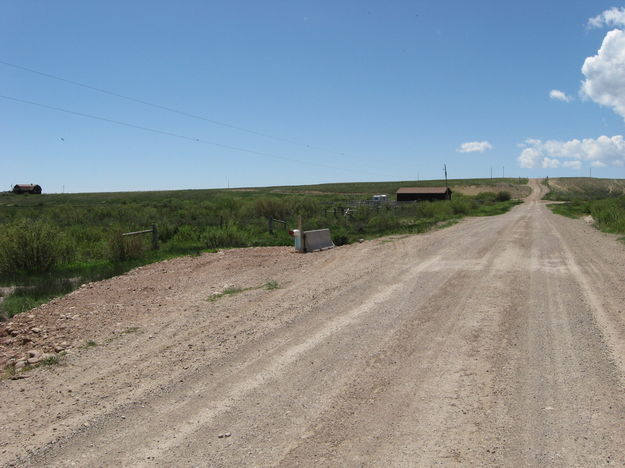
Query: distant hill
x=517, y=188
x=584, y=188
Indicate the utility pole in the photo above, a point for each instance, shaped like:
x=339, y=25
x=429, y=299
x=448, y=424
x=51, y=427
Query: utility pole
x=590, y=172
x=445, y=168
x=491, y=172
x=503, y=172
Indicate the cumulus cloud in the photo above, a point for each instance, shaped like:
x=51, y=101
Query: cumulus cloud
x=475, y=147
x=599, y=152
x=559, y=95
x=605, y=73
x=612, y=17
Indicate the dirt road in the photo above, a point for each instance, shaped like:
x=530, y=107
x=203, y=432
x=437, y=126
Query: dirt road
x=498, y=341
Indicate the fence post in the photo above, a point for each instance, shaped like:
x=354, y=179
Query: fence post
x=154, y=237
x=270, y=220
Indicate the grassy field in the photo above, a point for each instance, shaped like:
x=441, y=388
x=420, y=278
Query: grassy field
x=584, y=188
x=49, y=244
x=370, y=188
x=603, y=199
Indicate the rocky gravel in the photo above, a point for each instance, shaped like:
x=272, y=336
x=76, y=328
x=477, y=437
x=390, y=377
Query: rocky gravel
x=100, y=311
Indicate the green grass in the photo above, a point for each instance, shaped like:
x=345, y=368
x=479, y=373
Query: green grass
x=269, y=286
x=50, y=361
x=104, y=199
x=33, y=295
x=575, y=209
x=370, y=188
x=603, y=199
x=53, y=360
x=190, y=222
x=226, y=292
x=495, y=209
x=609, y=214
x=583, y=188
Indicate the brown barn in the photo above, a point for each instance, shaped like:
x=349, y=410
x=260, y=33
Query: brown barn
x=423, y=193
x=27, y=188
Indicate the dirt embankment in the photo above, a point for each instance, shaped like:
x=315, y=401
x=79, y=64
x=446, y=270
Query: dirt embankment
x=103, y=311
x=516, y=191
x=499, y=341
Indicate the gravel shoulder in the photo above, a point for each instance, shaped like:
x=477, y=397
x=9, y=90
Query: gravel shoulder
x=496, y=341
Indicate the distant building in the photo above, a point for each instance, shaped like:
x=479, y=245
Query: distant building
x=423, y=193
x=27, y=188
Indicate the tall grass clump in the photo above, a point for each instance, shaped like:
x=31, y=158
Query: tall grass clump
x=123, y=248
x=486, y=197
x=503, y=195
x=383, y=223
x=32, y=247
x=272, y=207
x=609, y=214
x=229, y=236
x=461, y=206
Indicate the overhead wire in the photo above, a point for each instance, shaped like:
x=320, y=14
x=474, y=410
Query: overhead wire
x=170, y=109
x=178, y=135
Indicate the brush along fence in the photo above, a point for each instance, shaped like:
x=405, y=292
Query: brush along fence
x=154, y=232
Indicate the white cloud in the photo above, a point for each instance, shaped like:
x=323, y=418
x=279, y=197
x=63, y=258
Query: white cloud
x=612, y=17
x=550, y=163
x=605, y=73
x=530, y=157
x=599, y=152
x=559, y=95
x=475, y=146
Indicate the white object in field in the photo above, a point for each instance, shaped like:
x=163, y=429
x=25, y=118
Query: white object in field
x=380, y=198
x=317, y=240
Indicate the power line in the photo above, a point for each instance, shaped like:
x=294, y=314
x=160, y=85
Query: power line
x=169, y=109
x=178, y=135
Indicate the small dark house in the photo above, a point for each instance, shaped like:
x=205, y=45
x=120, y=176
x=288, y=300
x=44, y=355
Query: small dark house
x=27, y=188
x=423, y=193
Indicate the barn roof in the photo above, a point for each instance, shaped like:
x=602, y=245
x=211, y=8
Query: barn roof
x=423, y=190
x=26, y=186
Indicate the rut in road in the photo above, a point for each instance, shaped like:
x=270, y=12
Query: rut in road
x=497, y=341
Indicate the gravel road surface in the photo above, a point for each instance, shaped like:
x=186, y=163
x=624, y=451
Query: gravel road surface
x=499, y=341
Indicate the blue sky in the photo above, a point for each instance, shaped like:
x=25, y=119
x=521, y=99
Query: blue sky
x=318, y=92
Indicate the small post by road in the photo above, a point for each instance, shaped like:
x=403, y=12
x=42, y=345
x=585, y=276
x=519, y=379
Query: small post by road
x=154, y=237
x=154, y=232
x=272, y=220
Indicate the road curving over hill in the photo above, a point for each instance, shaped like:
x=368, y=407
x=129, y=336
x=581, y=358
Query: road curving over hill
x=497, y=341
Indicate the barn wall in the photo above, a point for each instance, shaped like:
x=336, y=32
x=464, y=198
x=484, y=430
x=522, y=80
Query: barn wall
x=423, y=196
